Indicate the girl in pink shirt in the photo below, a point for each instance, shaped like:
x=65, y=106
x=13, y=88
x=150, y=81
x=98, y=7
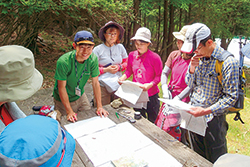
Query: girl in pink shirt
x=177, y=64
x=146, y=68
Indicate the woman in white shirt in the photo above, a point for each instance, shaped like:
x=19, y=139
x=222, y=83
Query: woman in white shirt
x=112, y=57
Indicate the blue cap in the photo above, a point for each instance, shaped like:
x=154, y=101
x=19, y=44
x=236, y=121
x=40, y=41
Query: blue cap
x=36, y=141
x=84, y=37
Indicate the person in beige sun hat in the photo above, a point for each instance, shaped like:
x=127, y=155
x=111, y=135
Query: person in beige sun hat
x=176, y=66
x=145, y=66
x=19, y=79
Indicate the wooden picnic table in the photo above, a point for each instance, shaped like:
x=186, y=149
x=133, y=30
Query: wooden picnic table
x=179, y=151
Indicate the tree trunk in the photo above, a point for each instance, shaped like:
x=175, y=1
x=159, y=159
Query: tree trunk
x=158, y=31
x=137, y=15
x=136, y=21
x=170, y=31
x=180, y=20
x=223, y=43
x=163, y=52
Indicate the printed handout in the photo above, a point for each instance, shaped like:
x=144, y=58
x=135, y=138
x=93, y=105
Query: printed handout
x=188, y=121
x=131, y=92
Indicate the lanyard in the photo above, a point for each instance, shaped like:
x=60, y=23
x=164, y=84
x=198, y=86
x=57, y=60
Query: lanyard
x=84, y=70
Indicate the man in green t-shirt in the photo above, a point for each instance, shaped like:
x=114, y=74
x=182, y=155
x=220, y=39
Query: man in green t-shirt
x=73, y=69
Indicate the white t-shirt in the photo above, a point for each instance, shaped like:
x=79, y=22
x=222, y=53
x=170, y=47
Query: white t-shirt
x=107, y=55
x=110, y=55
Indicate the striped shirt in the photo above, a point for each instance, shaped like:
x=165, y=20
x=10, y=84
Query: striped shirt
x=208, y=92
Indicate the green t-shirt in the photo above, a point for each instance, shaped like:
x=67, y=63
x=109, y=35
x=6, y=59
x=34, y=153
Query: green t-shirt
x=65, y=71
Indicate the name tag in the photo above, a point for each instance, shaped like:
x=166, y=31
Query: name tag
x=78, y=91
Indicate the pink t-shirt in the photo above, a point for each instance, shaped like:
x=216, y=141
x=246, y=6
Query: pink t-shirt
x=179, y=68
x=145, y=69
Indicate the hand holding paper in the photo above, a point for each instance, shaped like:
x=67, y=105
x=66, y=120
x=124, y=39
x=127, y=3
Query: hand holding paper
x=197, y=123
x=199, y=111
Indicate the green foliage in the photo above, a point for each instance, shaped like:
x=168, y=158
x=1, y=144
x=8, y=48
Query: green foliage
x=238, y=134
x=225, y=18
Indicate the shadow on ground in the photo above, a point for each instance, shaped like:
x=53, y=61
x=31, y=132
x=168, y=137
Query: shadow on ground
x=44, y=97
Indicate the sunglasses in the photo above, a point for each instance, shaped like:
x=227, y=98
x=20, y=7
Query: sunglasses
x=85, y=39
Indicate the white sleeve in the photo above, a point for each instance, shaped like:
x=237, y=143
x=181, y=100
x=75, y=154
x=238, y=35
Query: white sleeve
x=164, y=80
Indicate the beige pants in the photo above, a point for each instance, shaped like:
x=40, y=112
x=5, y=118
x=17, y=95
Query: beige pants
x=80, y=104
x=106, y=97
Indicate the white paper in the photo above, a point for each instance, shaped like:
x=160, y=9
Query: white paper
x=143, y=97
x=141, y=102
x=188, y=121
x=159, y=158
x=129, y=91
x=88, y=126
x=195, y=124
x=110, y=81
x=137, y=105
x=120, y=141
x=113, y=143
x=178, y=104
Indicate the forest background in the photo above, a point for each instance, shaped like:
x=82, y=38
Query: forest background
x=47, y=27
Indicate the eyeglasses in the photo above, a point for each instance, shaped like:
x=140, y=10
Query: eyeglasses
x=110, y=34
x=85, y=39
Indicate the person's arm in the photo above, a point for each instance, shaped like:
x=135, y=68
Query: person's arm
x=164, y=86
x=122, y=78
x=183, y=93
x=97, y=93
x=230, y=86
x=123, y=65
x=71, y=116
x=129, y=70
x=199, y=111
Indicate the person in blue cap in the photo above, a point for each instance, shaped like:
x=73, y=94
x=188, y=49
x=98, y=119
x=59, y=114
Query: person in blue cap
x=73, y=69
x=36, y=141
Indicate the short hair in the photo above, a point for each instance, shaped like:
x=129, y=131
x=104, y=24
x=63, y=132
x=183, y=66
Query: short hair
x=203, y=42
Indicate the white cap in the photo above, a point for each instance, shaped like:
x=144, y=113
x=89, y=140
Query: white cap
x=195, y=33
x=181, y=35
x=142, y=33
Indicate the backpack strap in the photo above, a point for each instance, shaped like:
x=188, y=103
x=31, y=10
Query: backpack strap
x=218, y=69
x=219, y=62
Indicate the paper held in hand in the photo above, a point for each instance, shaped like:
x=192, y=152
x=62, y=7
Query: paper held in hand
x=132, y=93
x=188, y=121
x=177, y=104
x=110, y=81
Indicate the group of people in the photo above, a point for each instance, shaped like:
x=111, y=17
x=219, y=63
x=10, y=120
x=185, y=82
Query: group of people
x=193, y=78
x=192, y=69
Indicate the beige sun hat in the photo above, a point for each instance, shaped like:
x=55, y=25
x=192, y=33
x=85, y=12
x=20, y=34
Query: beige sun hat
x=19, y=79
x=181, y=34
x=142, y=33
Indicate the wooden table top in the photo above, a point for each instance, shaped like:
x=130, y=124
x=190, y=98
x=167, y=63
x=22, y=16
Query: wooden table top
x=179, y=151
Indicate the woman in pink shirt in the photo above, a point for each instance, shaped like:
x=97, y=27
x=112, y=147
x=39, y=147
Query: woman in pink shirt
x=146, y=67
x=177, y=64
